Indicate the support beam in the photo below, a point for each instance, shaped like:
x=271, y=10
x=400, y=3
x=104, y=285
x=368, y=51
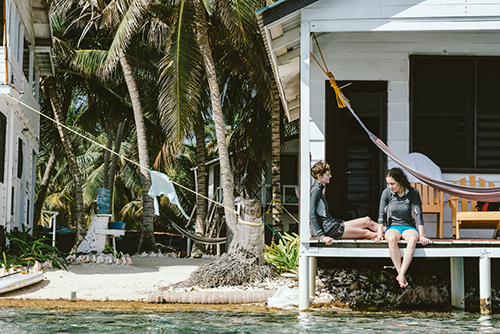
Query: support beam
x=303, y=282
x=313, y=267
x=304, y=165
x=288, y=38
x=457, y=282
x=485, y=285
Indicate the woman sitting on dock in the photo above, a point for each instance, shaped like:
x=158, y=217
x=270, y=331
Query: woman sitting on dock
x=327, y=227
x=397, y=204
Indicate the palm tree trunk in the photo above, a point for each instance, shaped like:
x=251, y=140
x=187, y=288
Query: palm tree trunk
x=114, y=163
x=49, y=170
x=49, y=89
x=206, y=52
x=147, y=241
x=276, y=163
x=201, y=204
x=106, y=159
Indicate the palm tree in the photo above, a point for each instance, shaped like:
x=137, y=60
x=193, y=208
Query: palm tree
x=121, y=19
x=49, y=89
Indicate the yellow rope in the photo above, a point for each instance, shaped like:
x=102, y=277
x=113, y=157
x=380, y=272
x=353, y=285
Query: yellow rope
x=342, y=100
x=249, y=223
x=270, y=204
x=230, y=176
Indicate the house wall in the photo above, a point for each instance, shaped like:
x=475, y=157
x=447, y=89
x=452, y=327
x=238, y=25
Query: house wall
x=374, y=55
x=18, y=209
x=23, y=201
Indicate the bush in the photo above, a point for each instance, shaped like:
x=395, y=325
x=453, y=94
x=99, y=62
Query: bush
x=24, y=248
x=285, y=254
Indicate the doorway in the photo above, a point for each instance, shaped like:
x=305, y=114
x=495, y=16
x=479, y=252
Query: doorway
x=357, y=165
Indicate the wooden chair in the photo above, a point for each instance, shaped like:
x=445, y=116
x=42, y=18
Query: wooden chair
x=432, y=202
x=466, y=216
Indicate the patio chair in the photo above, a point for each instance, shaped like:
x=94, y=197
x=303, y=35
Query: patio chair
x=465, y=215
x=432, y=202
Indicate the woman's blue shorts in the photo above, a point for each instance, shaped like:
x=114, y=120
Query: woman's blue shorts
x=401, y=229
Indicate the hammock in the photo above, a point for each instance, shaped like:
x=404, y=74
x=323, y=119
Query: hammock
x=197, y=238
x=473, y=193
x=162, y=185
x=477, y=194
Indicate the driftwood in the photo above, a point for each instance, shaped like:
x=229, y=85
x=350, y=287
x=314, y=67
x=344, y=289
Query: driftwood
x=422, y=297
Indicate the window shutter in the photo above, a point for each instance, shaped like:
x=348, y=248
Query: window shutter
x=442, y=96
x=488, y=113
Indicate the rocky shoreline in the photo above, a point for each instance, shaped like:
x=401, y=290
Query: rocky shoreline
x=372, y=289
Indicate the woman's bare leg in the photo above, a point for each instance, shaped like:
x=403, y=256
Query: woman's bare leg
x=411, y=237
x=353, y=232
x=365, y=222
x=393, y=236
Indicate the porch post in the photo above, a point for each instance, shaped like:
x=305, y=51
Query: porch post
x=485, y=284
x=457, y=282
x=305, y=178
x=313, y=266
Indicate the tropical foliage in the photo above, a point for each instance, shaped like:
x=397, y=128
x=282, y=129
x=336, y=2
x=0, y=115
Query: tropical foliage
x=285, y=254
x=188, y=80
x=24, y=249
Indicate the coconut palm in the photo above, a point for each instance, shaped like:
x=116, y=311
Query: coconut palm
x=120, y=20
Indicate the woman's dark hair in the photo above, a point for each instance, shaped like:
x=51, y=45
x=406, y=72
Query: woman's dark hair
x=399, y=176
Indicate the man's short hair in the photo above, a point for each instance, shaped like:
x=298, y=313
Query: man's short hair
x=319, y=168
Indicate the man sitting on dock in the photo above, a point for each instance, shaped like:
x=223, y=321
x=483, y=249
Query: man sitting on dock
x=327, y=227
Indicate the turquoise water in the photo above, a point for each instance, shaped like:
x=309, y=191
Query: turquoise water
x=44, y=321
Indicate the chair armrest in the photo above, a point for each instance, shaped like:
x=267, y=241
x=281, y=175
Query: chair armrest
x=453, y=203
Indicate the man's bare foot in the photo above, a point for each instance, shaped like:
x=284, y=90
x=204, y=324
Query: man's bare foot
x=402, y=281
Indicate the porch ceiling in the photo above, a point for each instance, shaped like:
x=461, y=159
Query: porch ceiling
x=280, y=27
x=43, y=36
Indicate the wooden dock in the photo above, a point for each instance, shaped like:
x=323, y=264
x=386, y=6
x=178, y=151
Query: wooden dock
x=456, y=250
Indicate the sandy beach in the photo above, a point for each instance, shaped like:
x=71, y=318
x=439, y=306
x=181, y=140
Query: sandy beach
x=103, y=282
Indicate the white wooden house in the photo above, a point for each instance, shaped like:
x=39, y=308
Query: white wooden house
x=24, y=58
x=422, y=75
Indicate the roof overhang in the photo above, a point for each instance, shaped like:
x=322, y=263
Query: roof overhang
x=280, y=28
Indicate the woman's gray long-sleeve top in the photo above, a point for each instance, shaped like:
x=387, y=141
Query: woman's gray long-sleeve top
x=400, y=208
x=318, y=212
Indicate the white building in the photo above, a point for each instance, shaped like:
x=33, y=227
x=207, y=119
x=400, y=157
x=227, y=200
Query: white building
x=25, y=57
x=421, y=74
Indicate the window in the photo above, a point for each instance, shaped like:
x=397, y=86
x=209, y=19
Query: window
x=20, y=158
x=3, y=133
x=456, y=111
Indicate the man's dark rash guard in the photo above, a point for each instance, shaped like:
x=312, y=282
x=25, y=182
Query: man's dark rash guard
x=400, y=208
x=318, y=212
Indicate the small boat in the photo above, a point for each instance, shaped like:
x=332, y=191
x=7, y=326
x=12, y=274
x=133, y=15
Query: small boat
x=18, y=280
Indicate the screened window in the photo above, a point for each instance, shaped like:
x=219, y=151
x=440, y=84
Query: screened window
x=456, y=111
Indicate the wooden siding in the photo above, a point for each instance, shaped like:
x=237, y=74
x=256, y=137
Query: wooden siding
x=2, y=66
x=405, y=15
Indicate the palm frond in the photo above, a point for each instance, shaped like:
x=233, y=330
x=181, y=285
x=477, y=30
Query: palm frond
x=133, y=11
x=180, y=71
x=238, y=16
